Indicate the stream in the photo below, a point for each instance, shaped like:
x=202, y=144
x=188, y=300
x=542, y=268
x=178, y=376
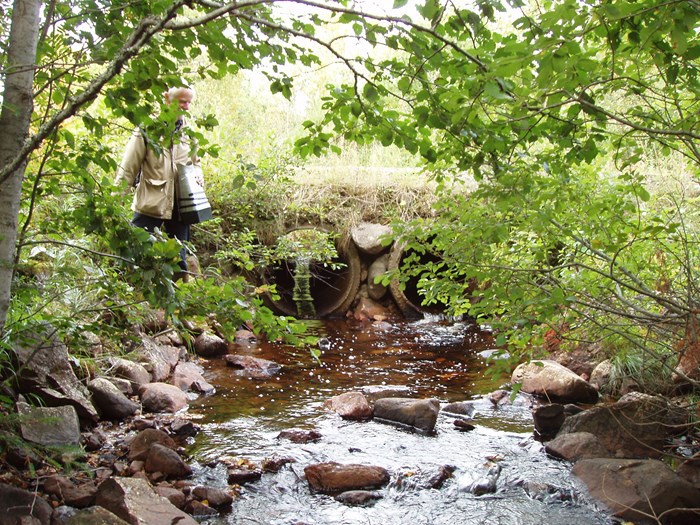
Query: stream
x=423, y=359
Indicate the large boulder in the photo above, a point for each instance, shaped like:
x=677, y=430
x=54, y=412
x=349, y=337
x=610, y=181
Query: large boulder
x=135, y=501
x=162, y=397
x=45, y=370
x=95, y=516
x=636, y=426
x=110, y=401
x=334, y=478
x=549, y=379
x=350, y=405
x=133, y=372
x=638, y=489
x=49, y=425
x=17, y=505
x=548, y=419
x=187, y=376
x=159, y=359
x=368, y=237
x=210, y=345
x=576, y=446
x=420, y=414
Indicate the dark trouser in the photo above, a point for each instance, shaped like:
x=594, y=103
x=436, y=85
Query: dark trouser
x=171, y=227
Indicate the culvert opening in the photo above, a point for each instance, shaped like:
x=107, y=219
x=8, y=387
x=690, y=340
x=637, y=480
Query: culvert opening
x=407, y=295
x=309, y=281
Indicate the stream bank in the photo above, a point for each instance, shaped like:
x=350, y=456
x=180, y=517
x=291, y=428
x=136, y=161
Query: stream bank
x=255, y=422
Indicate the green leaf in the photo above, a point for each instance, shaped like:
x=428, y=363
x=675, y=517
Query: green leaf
x=370, y=92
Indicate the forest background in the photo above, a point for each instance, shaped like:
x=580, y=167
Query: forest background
x=546, y=153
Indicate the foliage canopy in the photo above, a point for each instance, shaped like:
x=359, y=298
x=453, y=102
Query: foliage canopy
x=551, y=105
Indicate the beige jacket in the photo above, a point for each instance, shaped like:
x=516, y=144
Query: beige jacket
x=157, y=189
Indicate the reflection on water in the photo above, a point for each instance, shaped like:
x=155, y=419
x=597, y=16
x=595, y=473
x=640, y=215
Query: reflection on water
x=424, y=358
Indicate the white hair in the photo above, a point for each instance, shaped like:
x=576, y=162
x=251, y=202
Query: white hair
x=173, y=91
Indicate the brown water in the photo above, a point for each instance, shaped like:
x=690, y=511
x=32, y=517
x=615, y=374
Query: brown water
x=426, y=358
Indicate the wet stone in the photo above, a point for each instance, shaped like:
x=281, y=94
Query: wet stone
x=443, y=473
x=461, y=408
x=300, y=436
x=200, y=510
x=350, y=405
x=548, y=419
x=216, y=498
x=275, y=463
x=242, y=475
x=166, y=461
x=420, y=414
x=463, y=426
x=361, y=498
x=330, y=478
x=253, y=367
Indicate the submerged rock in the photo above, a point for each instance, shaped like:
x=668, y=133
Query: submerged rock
x=216, y=498
x=486, y=484
x=461, y=408
x=253, y=367
x=300, y=436
x=361, y=498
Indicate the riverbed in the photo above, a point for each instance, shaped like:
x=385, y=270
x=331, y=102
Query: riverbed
x=428, y=358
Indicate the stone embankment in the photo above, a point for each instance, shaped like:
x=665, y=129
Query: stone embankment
x=131, y=423
x=617, y=447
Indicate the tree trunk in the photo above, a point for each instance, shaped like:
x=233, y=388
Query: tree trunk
x=15, y=118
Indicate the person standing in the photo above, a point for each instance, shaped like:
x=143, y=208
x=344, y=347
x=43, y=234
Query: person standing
x=154, y=172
